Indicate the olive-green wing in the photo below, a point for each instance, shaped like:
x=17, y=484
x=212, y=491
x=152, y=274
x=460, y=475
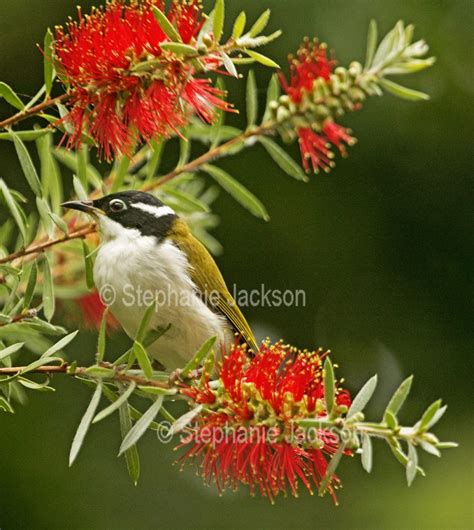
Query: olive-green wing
x=208, y=279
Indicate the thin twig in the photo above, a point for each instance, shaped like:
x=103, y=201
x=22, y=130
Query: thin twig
x=33, y=111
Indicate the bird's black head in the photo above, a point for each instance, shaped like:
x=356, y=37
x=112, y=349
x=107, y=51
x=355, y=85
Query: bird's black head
x=131, y=209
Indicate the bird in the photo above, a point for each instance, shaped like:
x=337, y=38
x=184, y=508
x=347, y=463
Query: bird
x=147, y=254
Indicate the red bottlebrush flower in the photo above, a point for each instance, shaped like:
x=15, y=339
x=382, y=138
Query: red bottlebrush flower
x=311, y=62
x=122, y=86
x=337, y=134
x=315, y=149
x=247, y=434
x=92, y=309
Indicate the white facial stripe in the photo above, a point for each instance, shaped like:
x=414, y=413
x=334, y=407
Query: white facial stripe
x=156, y=211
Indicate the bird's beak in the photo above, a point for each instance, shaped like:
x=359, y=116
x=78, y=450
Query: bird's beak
x=83, y=206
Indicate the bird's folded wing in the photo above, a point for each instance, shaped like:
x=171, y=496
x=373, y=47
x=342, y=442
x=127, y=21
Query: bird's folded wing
x=209, y=281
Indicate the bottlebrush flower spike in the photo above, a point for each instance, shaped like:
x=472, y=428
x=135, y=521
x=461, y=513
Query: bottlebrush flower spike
x=122, y=86
x=92, y=309
x=247, y=434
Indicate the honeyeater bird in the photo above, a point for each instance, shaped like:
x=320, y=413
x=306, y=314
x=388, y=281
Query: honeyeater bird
x=148, y=255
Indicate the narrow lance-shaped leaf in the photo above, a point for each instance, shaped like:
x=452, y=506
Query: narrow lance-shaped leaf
x=362, y=397
x=229, y=65
x=26, y=136
x=48, y=290
x=116, y=404
x=79, y=189
x=428, y=415
x=329, y=386
x=403, y=92
x=8, y=94
x=101, y=340
x=81, y=162
x=6, y=352
x=131, y=455
x=260, y=24
x=412, y=464
x=48, y=62
x=331, y=469
x=252, y=100
x=367, y=456
x=85, y=424
x=27, y=165
x=178, y=48
x=60, y=223
x=183, y=421
x=239, y=25
x=88, y=264
x=283, y=159
x=143, y=360
x=262, y=59
x=45, y=215
x=273, y=92
x=371, y=43
x=62, y=343
x=241, y=194
x=145, y=323
x=436, y=417
x=139, y=429
x=199, y=357
x=218, y=24
x=31, y=285
x=399, y=397
x=15, y=210
x=170, y=31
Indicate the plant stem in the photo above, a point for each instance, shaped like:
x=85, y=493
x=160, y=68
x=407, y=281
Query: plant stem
x=33, y=111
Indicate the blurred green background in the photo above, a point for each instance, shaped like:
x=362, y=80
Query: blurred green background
x=382, y=246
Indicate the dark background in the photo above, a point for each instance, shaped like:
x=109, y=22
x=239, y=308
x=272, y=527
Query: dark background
x=383, y=248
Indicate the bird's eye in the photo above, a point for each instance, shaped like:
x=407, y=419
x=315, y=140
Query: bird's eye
x=117, y=205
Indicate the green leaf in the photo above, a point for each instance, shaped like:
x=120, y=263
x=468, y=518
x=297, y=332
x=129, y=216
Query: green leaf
x=27, y=165
x=49, y=73
x=140, y=427
x=88, y=264
x=447, y=445
x=45, y=215
x=49, y=302
x=239, y=25
x=229, y=66
x=131, y=455
x=436, y=417
x=116, y=404
x=85, y=424
x=81, y=168
x=8, y=94
x=283, y=159
x=31, y=285
x=273, y=93
x=168, y=28
x=429, y=448
x=412, y=464
x=145, y=323
x=60, y=223
x=79, y=189
x=410, y=67
x=262, y=59
x=260, y=24
x=178, y=48
x=331, y=469
x=15, y=210
x=403, y=92
x=183, y=421
x=218, y=24
x=101, y=340
x=5, y=405
x=241, y=194
x=186, y=201
x=428, y=415
x=6, y=352
x=199, y=357
x=391, y=420
x=385, y=48
x=399, y=397
x=363, y=397
x=26, y=136
x=367, y=454
x=252, y=100
x=371, y=43
x=59, y=345
x=329, y=386
x=154, y=163
x=69, y=159
x=143, y=360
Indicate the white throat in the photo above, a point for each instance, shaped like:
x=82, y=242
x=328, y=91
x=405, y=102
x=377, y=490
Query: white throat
x=110, y=230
